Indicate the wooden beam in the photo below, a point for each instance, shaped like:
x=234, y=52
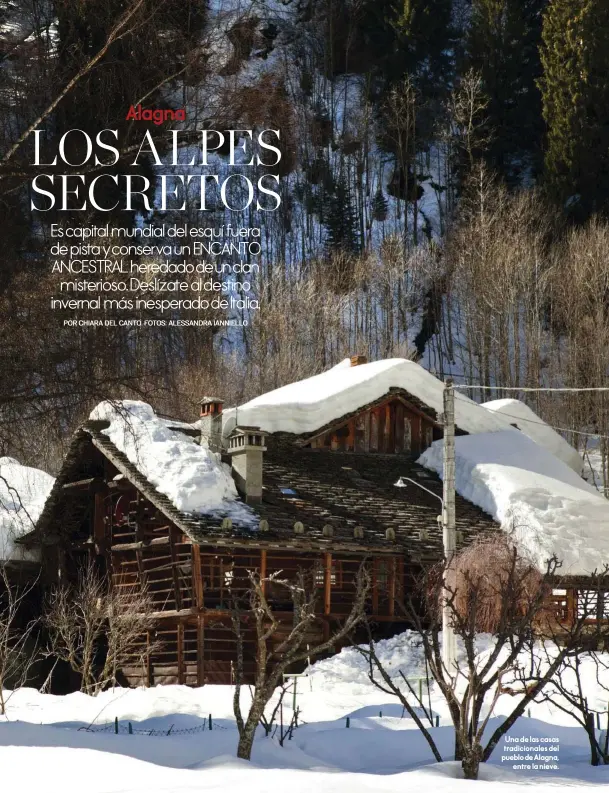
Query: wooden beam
x=180, y=652
x=99, y=526
x=83, y=484
x=174, y=571
x=387, y=434
x=375, y=589
x=197, y=576
x=133, y=546
x=284, y=545
x=367, y=431
x=392, y=567
x=200, y=650
x=288, y=545
x=327, y=582
x=149, y=680
x=571, y=605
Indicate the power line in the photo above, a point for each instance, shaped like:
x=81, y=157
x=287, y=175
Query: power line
x=551, y=426
x=541, y=422
x=466, y=386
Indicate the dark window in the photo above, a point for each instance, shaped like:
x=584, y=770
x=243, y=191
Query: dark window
x=382, y=574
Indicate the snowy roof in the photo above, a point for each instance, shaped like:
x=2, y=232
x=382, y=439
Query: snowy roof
x=528, y=422
x=532, y=494
x=23, y=492
x=307, y=405
x=191, y=476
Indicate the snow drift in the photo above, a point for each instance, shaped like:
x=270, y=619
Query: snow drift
x=308, y=405
x=528, y=422
x=23, y=492
x=547, y=507
x=190, y=475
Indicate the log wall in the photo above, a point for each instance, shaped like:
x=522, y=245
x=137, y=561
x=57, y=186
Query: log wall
x=394, y=427
x=193, y=586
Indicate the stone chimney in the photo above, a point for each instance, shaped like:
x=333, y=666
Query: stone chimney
x=358, y=360
x=246, y=449
x=211, y=422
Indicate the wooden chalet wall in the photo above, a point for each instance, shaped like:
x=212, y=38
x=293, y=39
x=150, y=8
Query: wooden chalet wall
x=393, y=426
x=102, y=517
x=192, y=585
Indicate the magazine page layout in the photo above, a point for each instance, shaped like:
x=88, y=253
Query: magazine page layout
x=304, y=395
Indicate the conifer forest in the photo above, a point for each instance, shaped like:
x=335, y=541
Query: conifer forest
x=444, y=183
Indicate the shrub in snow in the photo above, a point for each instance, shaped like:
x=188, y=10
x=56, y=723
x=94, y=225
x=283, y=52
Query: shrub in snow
x=481, y=575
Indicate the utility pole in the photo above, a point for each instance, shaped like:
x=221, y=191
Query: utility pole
x=449, y=644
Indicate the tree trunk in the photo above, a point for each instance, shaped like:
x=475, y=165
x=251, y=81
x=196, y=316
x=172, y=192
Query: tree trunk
x=246, y=741
x=458, y=749
x=471, y=761
x=247, y=735
x=594, y=758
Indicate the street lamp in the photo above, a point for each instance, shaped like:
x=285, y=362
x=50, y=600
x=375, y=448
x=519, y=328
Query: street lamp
x=449, y=643
x=402, y=479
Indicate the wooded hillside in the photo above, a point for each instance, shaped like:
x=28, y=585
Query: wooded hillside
x=444, y=184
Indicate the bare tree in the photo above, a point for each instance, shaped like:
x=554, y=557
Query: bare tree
x=96, y=628
x=18, y=639
x=380, y=677
x=276, y=653
x=120, y=29
x=567, y=693
x=267, y=722
x=467, y=106
x=508, y=596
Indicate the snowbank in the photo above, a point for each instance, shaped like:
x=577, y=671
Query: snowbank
x=381, y=751
x=307, y=405
x=533, y=494
x=191, y=476
x=528, y=422
x=23, y=491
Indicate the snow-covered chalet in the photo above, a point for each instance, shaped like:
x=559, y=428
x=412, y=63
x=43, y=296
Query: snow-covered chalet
x=304, y=477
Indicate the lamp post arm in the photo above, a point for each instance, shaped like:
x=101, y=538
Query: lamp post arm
x=426, y=489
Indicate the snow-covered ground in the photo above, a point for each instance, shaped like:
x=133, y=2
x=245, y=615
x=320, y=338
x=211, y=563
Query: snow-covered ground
x=43, y=745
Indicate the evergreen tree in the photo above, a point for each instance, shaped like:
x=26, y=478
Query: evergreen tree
x=380, y=207
x=575, y=91
x=341, y=220
x=502, y=45
x=388, y=39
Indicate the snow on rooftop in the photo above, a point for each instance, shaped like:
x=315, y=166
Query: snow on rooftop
x=23, y=492
x=547, y=507
x=190, y=475
x=516, y=412
x=308, y=405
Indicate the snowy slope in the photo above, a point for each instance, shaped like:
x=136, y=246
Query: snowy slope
x=43, y=735
x=192, y=476
x=23, y=491
x=309, y=404
x=547, y=506
x=516, y=412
